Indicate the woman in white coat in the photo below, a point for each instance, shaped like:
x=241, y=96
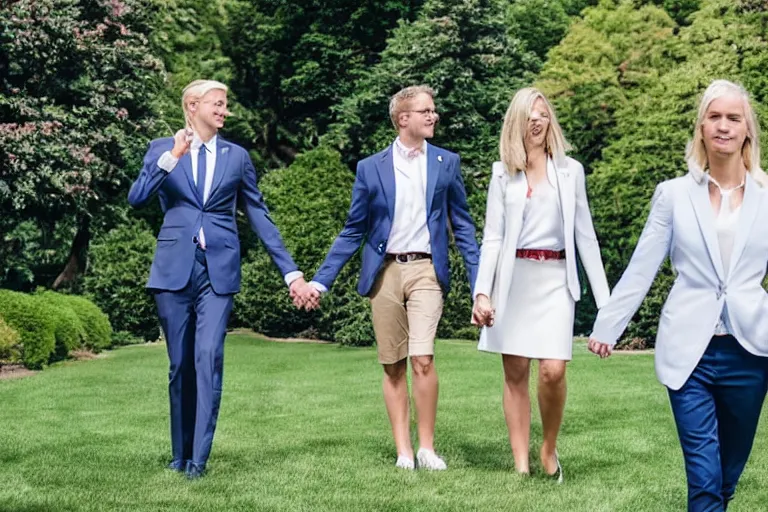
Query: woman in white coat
x=527, y=282
x=712, y=341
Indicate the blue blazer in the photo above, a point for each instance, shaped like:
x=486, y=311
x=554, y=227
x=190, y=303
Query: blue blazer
x=373, y=207
x=185, y=213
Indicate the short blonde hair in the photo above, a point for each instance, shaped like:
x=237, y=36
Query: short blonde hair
x=402, y=99
x=512, y=141
x=696, y=151
x=195, y=90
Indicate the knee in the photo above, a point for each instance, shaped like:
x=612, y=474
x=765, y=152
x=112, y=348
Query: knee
x=422, y=365
x=395, y=371
x=552, y=375
x=516, y=376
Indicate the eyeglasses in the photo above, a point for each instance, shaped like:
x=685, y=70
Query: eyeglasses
x=426, y=112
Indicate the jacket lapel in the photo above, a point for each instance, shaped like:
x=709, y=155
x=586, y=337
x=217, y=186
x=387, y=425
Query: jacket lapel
x=434, y=162
x=386, y=169
x=560, y=177
x=186, y=165
x=747, y=216
x=223, y=149
x=705, y=216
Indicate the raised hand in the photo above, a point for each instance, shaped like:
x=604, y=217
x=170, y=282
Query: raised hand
x=482, y=312
x=182, y=140
x=601, y=349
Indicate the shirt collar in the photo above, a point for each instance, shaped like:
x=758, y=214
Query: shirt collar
x=403, y=150
x=210, y=145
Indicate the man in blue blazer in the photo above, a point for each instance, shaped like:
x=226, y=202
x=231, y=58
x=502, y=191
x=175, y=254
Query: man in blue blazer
x=402, y=201
x=195, y=273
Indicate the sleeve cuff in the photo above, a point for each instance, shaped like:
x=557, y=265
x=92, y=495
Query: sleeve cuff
x=290, y=277
x=167, y=161
x=319, y=287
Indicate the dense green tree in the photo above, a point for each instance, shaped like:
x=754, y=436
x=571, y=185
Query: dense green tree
x=295, y=60
x=613, y=54
x=76, y=81
x=723, y=41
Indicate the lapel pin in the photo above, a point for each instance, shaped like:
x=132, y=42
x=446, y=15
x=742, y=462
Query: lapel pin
x=439, y=158
x=224, y=150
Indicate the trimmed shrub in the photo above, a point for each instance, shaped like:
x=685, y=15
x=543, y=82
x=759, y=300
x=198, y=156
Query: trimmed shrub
x=34, y=323
x=70, y=331
x=308, y=202
x=123, y=338
x=117, y=275
x=10, y=344
x=98, y=330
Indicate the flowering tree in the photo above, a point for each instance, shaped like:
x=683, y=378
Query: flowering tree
x=76, y=82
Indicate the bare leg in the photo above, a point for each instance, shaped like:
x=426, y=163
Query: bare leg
x=396, y=399
x=425, y=390
x=517, y=408
x=552, y=393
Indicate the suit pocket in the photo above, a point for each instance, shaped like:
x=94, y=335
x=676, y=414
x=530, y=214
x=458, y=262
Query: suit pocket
x=166, y=242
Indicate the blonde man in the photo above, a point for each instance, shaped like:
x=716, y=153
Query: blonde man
x=402, y=201
x=712, y=342
x=537, y=217
x=198, y=177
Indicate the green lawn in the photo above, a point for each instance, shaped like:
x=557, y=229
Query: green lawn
x=303, y=427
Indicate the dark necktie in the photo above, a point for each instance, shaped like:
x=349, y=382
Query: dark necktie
x=201, y=171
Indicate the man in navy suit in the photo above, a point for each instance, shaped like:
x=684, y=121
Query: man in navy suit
x=402, y=201
x=195, y=273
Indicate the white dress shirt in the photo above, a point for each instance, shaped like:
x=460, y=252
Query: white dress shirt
x=409, y=232
x=542, y=220
x=725, y=225
x=168, y=162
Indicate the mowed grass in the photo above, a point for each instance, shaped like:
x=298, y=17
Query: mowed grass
x=303, y=427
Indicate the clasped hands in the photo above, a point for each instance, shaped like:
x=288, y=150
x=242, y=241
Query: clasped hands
x=483, y=315
x=483, y=312
x=304, y=295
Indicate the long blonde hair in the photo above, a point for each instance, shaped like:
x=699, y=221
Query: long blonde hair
x=696, y=152
x=512, y=141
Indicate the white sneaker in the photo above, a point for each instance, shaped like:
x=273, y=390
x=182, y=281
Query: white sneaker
x=404, y=462
x=430, y=460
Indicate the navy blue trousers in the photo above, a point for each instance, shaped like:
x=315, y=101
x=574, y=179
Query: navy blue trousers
x=716, y=412
x=194, y=321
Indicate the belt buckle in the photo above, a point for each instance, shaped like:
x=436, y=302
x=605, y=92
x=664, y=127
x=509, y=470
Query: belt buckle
x=401, y=258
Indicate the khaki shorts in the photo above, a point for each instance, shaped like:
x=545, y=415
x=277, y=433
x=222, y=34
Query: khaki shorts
x=406, y=305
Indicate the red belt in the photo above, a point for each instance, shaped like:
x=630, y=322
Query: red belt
x=540, y=254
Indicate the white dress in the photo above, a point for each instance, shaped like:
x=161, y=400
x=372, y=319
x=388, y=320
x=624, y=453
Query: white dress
x=538, y=321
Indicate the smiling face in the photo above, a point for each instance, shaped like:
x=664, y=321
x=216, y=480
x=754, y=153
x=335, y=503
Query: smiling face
x=418, y=121
x=210, y=112
x=724, y=127
x=538, y=125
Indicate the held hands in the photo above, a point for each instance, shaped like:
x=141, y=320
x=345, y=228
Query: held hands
x=601, y=349
x=482, y=312
x=182, y=140
x=304, y=295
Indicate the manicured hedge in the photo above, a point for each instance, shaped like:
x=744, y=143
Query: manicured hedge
x=10, y=344
x=36, y=327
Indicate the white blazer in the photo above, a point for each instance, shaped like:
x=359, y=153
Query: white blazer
x=504, y=221
x=681, y=224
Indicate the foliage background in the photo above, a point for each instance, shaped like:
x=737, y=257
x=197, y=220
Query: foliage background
x=85, y=84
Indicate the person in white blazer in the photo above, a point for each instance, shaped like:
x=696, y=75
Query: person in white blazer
x=712, y=341
x=527, y=284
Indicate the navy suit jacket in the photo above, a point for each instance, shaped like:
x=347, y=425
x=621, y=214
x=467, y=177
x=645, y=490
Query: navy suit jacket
x=373, y=207
x=185, y=213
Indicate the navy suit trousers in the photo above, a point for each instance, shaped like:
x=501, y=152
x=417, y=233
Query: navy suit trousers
x=194, y=321
x=716, y=412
